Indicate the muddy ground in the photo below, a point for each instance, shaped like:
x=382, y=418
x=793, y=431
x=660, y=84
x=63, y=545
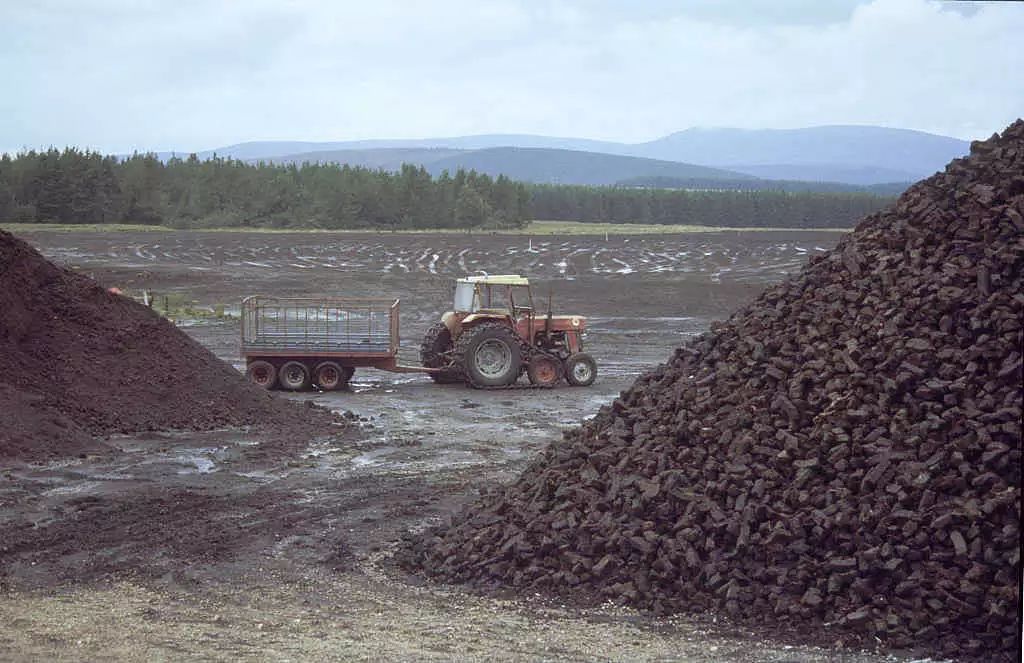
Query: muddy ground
x=251, y=544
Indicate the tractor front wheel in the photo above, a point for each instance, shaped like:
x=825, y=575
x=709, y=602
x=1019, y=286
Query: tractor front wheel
x=544, y=370
x=580, y=370
x=489, y=355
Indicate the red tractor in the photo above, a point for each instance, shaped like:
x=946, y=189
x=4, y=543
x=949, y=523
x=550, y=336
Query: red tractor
x=494, y=334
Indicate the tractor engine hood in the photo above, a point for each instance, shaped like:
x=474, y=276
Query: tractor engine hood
x=453, y=320
x=565, y=322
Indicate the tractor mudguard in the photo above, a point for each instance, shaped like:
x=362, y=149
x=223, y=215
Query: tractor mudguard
x=472, y=318
x=456, y=322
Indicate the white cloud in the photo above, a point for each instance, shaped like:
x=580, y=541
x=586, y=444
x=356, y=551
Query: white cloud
x=193, y=75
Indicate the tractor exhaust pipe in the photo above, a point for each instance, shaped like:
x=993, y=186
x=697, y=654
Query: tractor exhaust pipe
x=547, y=320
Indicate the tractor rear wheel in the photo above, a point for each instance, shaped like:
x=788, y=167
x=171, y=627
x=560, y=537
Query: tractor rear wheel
x=489, y=355
x=261, y=373
x=293, y=376
x=437, y=343
x=544, y=370
x=330, y=376
x=580, y=370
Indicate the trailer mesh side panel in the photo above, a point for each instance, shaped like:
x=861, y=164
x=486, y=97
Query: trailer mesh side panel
x=335, y=325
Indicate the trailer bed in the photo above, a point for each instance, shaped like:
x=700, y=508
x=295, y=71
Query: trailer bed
x=340, y=327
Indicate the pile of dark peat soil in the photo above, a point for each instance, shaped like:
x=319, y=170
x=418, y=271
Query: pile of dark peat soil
x=77, y=363
x=842, y=456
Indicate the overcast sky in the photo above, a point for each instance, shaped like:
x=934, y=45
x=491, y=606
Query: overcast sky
x=196, y=74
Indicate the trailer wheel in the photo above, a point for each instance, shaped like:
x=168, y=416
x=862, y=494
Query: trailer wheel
x=437, y=342
x=489, y=355
x=261, y=373
x=330, y=376
x=544, y=370
x=293, y=376
x=580, y=369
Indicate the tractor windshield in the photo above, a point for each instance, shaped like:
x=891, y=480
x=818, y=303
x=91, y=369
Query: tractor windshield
x=466, y=298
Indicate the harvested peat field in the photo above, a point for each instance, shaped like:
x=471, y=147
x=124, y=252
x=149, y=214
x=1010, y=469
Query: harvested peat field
x=825, y=475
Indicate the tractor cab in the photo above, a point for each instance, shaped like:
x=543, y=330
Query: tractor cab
x=507, y=294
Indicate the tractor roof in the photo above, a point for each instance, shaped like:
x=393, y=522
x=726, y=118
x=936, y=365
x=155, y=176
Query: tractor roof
x=497, y=279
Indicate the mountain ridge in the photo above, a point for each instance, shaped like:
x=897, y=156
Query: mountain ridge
x=551, y=166
x=526, y=164
x=862, y=155
x=916, y=152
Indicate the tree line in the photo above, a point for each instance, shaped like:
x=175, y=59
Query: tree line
x=76, y=187
x=738, y=209
x=758, y=184
x=73, y=186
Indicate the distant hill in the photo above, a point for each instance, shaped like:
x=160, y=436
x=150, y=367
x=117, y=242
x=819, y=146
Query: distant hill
x=281, y=149
x=857, y=155
x=536, y=165
x=548, y=166
x=853, y=151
